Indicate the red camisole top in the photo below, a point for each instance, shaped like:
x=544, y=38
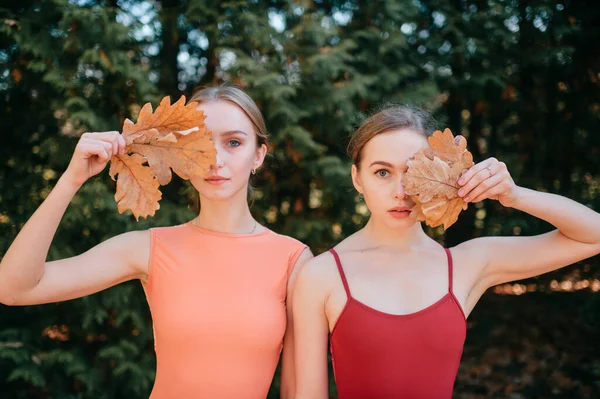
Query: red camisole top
x=382, y=355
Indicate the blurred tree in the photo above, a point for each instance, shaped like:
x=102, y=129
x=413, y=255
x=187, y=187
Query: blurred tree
x=518, y=78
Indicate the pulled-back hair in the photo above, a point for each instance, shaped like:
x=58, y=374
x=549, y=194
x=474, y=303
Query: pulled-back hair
x=388, y=119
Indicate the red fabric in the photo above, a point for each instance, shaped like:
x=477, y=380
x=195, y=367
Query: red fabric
x=378, y=355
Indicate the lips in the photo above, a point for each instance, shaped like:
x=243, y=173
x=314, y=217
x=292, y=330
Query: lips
x=400, y=209
x=216, y=180
x=399, y=212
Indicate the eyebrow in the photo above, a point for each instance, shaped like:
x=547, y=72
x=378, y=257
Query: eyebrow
x=389, y=165
x=401, y=166
x=233, y=132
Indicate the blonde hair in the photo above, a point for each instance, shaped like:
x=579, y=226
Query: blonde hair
x=238, y=97
x=391, y=118
x=245, y=103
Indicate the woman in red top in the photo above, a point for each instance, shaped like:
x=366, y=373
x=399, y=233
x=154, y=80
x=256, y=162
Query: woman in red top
x=393, y=301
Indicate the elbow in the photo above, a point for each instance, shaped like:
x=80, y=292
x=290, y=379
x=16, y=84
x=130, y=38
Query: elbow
x=8, y=297
x=8, y=300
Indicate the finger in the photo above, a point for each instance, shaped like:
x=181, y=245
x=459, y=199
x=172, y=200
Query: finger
x=492, y=193
x=108, y=135
x=483, y=188
x=122, y=144
x=475, y=181
x=97, y=149
x=112, y=138
x=464, y=179
x=108, y=146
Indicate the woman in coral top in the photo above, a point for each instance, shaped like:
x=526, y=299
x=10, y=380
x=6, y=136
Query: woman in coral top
x=217, y=286
x=392, y=300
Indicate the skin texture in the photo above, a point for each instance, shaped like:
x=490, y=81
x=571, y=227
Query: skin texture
x=393, y=266
x=27, y=279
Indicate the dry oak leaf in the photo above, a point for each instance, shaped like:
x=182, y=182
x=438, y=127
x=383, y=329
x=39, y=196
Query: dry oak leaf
x=137, y=188
x=167, y=118
x=173, y=137
x=448, y=148
x=438, y=211
x=189, y=155
x=431, y=179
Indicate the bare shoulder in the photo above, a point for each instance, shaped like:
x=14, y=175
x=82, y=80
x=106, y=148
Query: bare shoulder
x=305, y=256
x=471, y=254
x=319, y=272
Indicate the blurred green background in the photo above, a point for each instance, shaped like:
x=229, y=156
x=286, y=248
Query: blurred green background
x=519, y=79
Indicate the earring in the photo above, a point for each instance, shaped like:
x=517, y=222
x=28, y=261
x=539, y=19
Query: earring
x=254, y=171
x=360, y=196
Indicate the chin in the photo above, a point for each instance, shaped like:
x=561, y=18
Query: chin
x=401, y=223
x=220, y=195
x=217, y=193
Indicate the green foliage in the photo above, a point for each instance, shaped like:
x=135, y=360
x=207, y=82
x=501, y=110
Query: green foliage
x=518, y=78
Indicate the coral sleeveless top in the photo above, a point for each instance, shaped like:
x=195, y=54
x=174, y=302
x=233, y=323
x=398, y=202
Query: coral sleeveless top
x=384, y=356
x=218, y=304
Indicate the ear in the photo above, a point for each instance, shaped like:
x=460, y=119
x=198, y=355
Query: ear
x=356, y=179
x=261, y=153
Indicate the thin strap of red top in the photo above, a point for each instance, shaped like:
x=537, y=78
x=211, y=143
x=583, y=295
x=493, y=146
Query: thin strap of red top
x=341, y=270
x=449, y=255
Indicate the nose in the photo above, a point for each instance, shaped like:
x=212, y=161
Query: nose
x=399, y=193
x=219, y=161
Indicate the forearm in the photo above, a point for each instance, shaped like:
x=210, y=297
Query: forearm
x=572, y=219
x=288, y=383
x=23, y=264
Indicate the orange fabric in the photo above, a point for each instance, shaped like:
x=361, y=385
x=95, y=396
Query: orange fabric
x=218, y=309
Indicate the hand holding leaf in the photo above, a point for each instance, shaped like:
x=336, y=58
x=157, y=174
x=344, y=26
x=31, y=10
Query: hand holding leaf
x=489, y=179
x=175, y=138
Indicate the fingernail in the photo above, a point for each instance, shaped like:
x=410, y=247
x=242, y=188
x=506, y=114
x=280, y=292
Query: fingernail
x=467, y=199
x=461, y=192
x=461, y=181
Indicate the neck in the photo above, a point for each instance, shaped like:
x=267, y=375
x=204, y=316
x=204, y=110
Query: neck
x=226, y=216
x=380, y=234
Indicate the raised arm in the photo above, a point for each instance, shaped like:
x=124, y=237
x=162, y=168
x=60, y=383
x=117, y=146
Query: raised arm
x=311, y=330
x=25, y=276
x=288, y=376
x=502, y=259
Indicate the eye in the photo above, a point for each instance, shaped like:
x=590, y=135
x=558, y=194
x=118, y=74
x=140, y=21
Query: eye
x=382, y=173
x=234, y=143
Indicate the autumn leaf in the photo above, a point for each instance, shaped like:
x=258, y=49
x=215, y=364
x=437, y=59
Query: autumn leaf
x=431, y=179
x=168, y=118
x=438, y=211
x=189, y=155
x=173, y=138
x=448, y=148
x=137, y=188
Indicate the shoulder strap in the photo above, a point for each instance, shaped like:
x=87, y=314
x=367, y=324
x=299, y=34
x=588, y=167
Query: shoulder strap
x=341, y=270
x=450, y=273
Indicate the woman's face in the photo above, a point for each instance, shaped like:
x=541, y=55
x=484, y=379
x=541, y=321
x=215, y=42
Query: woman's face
x=237, y=151
x=379, y=176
